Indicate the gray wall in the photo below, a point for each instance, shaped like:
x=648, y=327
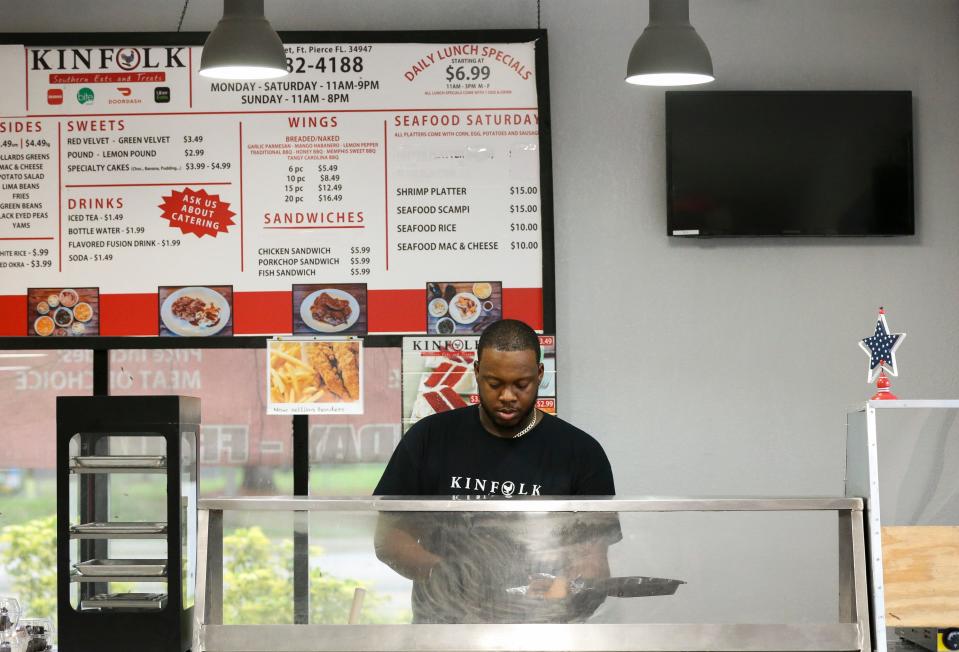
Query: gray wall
x=714, y=367
x=726, y=367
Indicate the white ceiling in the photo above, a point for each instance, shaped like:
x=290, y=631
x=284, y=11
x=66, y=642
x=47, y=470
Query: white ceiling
x=202, y=15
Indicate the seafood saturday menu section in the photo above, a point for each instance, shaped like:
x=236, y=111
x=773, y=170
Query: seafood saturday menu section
x=139, y=198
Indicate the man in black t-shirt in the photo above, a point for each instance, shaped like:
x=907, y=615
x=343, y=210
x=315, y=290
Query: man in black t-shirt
x=488, y=567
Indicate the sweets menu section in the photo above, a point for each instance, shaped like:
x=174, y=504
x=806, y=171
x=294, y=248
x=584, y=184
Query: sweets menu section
x=329, y=200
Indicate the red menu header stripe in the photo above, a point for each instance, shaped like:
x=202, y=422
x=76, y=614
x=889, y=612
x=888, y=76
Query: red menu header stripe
x=129, y=314
x=13, y=316
x=262, y=312
x=254, y=313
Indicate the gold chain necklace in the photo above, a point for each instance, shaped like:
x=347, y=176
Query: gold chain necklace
x=527, y=428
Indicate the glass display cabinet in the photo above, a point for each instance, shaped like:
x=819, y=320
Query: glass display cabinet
x=126, y=522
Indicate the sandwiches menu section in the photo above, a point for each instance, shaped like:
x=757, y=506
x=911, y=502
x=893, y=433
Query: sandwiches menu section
x=380, y=166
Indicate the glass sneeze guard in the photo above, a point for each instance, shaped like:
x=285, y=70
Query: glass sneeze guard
x=557, y=573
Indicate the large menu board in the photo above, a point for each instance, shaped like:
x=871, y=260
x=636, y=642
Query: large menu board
x=128, y=182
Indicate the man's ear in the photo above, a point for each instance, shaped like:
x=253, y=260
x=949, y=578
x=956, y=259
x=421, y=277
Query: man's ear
x=542, y=370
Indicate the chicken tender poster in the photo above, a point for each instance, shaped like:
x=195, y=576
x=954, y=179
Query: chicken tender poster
x=438, y=375
x=314, y=376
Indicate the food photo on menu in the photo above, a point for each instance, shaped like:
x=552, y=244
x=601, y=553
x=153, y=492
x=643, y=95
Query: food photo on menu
x=63, y=312
x=315, y=376
x=334, y=308
x=195, y=310
x=462, y=307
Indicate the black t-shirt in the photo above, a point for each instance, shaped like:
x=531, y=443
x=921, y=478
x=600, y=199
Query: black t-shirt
x=487, y=556
x=450, y=453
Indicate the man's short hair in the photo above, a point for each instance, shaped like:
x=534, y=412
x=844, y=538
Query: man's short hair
x=509, y=335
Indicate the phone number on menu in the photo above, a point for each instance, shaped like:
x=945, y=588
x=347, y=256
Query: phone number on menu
x=331, y=64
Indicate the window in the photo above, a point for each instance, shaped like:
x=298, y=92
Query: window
x=348, y=453
x=30, y=381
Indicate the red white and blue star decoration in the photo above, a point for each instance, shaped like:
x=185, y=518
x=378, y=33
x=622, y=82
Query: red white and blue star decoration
x=881, y=348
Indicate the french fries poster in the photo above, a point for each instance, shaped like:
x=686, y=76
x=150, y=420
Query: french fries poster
x=314, y=376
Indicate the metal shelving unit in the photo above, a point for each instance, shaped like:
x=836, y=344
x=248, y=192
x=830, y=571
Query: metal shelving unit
x=101, y=441
x=101, y=571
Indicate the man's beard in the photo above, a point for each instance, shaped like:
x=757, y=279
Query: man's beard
x=491, y=415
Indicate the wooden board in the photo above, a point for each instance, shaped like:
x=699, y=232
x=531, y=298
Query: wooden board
x=921, y=573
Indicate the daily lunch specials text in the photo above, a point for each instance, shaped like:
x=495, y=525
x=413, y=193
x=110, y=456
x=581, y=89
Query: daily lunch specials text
x=386, y=164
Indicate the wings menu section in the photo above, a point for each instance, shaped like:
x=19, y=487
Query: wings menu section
x=382, y=166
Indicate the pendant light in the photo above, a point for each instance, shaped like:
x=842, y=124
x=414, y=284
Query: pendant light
x=243, y=45
x=669, y=52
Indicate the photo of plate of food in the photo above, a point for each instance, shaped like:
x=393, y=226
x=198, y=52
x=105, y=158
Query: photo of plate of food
x=63, y=317
x=483, y=290
x=445, y=326
x=438, y=307
x=44, y=326
x=68, y=297
x=329, y=310
x=66, y=311
x=82, y=312
x=195, y=311
x=465, y=308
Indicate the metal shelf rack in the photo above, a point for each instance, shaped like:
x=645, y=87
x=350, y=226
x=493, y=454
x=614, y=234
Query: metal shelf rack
x=94, y=435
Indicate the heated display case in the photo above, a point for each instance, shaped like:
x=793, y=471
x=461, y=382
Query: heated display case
x=126, y=522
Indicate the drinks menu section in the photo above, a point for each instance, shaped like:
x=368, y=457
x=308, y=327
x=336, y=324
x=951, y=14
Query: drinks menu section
x=380, y=164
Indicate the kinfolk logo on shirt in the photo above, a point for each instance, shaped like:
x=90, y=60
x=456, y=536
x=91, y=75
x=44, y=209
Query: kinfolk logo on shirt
x=506, y=488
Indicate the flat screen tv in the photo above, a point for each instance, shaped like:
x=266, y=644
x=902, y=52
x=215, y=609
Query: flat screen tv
x=785, y=163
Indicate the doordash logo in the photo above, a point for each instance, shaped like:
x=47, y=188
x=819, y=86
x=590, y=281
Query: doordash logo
x=125, y=92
